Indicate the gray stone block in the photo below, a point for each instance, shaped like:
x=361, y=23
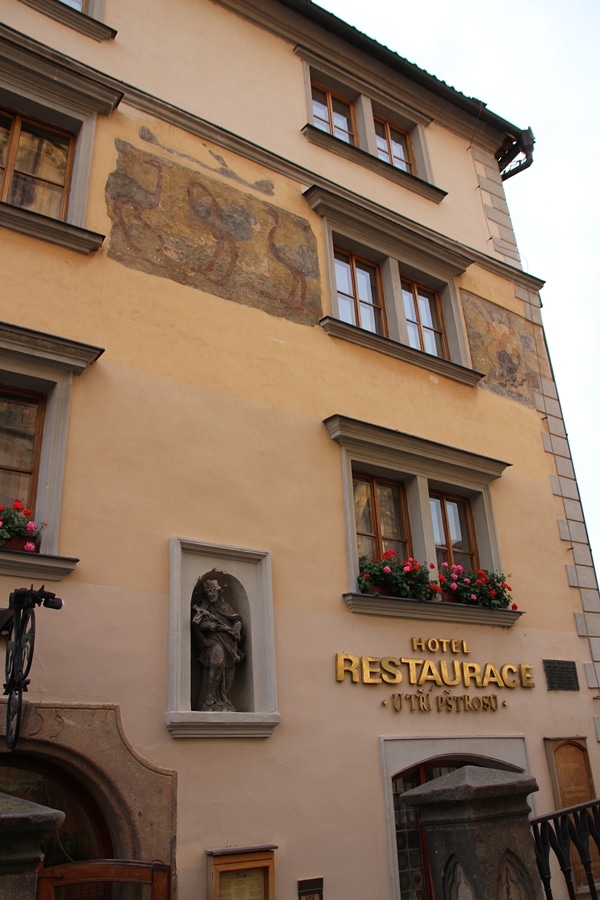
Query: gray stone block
x=590, y=675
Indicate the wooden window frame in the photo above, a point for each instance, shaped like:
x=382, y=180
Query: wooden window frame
x=378, y=536
x=14, y=135
x=355, y=260
x=389, y=128
x=444, y=496
x=415, y=288
x=330, y=96
x=6, y=392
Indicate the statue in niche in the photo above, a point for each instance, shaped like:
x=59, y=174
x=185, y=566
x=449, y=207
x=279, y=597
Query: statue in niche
x=217, y=633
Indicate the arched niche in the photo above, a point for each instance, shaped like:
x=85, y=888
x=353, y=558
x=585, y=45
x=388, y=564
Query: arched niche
x=248, y=576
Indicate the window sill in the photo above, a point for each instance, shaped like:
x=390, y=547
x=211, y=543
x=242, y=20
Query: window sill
x=40, y=566
x=355, y=154
x=73, y=19
x=221, y=724
x=337, y=328
x=47, y=229
x=433, y=610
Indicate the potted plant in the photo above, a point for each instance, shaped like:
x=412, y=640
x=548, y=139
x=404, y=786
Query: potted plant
x=390, y=577
x=477, y=587
x=18, y=531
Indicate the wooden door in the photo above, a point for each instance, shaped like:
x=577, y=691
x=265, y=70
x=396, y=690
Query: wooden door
x=105, y=879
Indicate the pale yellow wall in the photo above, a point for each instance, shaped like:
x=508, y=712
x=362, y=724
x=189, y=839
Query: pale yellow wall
x=203, y=419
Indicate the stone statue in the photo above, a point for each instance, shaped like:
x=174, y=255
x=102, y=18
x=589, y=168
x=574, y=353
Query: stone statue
x=217, y=633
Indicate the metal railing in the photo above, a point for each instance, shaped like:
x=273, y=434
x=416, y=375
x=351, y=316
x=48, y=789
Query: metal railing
x=571, y=834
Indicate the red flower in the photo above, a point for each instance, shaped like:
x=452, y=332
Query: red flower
x=366, y=575
x=442, y=578
x=481, y=571
x=388, y=554
x=18, y=505
x=432, y=565
x=492, y=593
x=26, y=512
x=514, y=606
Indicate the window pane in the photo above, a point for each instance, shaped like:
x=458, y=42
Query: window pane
x=320, y=110
x=18, y=424
x=346, y=309
x=400, y=154
x=13, y=485
x=409, y=304
x=455, y=515
x=343, y=276
x=42, y=153
x=365, y=284
x=432, y=342
x=435, y=506
x=74, y=4
x=342, y=121
x=427, y=311
x=413, y=335
x=362, y=506
x=5, y=123
x=38, y=196
x=368, y=318
x=390, y=512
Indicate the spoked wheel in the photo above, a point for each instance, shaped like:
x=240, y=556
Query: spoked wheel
x=27, y=641
x=13, y=717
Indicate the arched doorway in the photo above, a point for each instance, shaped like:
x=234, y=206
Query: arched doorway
x=413, y=863
x=84, y=834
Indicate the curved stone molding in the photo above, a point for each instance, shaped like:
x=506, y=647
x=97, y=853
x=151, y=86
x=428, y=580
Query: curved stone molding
x=137, y=799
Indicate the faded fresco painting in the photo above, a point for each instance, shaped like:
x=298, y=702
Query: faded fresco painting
x=507, y=348
x=175, y=222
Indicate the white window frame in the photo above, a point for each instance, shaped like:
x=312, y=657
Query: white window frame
x=56, y=95
x=399, y=252
x=89, y=23
x=421, y=465
x=44, y=363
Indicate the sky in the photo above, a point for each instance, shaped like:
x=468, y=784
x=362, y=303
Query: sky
x=535, y=63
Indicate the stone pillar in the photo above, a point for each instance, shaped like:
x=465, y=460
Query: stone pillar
x=22, y=827
x=478, y=837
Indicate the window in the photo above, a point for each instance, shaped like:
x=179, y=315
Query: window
x=21, y=424
x=423, y=319
x=394, y=290
x=393, y=145
x=47, y=121
x=359, y=293
x=381, y=517
x=416, y=496
x=35, y=165
x=453, y=530
x=84, y=16
x=351, y=117
x=332, y=114
x=36, y=373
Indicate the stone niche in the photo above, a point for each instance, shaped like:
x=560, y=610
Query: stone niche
x=245, y=703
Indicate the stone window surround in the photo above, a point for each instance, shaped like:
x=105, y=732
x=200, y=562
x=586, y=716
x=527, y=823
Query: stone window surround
x=420, y=464
x=399, y=252
x=89, y=23
x=57, y=95
x=366, y=102
x=45, y=363
x=189, y=560
x=398, y=754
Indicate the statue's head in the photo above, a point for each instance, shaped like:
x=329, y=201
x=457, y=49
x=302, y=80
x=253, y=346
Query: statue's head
x=212, y=589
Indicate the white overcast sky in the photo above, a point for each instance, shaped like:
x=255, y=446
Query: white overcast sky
x=537, y=63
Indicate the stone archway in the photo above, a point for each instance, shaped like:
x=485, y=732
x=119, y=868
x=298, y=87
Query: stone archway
x=136, y=799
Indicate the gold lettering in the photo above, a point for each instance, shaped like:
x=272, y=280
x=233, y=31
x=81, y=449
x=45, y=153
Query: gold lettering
x=455, y=645
x=413, y=701
x=433, y=645
x=494, y=701
x=527, y=675
x=465, y=649
x=391, y=673
x=444, y=642
x=397, y=702
x=425, y=702
x=429, y=672
x=505, y=671
x=440, y=700
x=491, y=673
x=471, y=670
x=418, y=644
x=412, y=667
x=371, y=672
x=444, y=671
x=346, y=663
x=450, y=701
x=476, y=703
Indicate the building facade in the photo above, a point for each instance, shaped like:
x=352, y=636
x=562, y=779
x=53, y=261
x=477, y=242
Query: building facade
x=263, y=315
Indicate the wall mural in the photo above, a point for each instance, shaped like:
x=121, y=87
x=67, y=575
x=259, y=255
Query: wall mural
x=175, y=222
x=507, y=348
